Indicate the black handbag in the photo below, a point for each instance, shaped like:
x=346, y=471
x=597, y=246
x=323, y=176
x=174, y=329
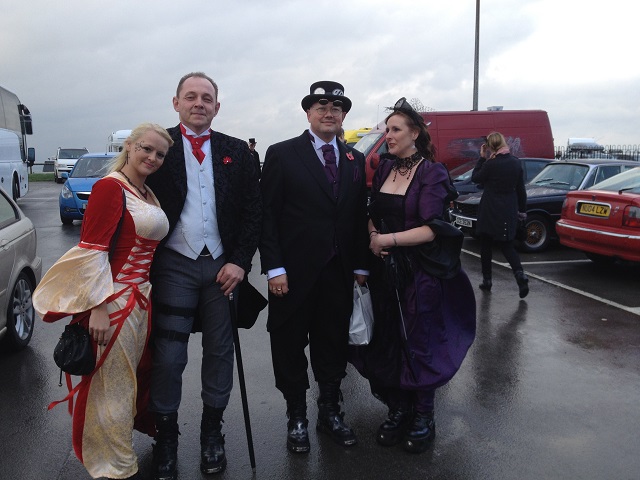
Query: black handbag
x=74, y=353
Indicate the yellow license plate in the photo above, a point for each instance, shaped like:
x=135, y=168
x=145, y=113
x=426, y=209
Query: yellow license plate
x=594, y=209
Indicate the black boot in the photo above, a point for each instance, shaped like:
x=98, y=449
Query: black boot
x=391, y=431
x=297, y=426
x=420, y=434
x=165, y=450
x=523, y=283
x=212, y=457
x=330, y=419
x=486, y=284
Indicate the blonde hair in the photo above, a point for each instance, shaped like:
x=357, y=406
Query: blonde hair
x=496, y=141
x=121, y=159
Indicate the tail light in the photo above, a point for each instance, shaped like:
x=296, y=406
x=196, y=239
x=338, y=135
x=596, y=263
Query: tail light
x=631, y=217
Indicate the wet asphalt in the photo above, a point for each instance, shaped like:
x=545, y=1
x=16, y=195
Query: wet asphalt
x=549, y=390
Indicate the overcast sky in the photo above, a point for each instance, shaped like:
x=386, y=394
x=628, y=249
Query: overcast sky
x=88, y=68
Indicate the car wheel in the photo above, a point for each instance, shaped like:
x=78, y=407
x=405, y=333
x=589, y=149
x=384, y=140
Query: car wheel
x=66, y=220
x=56, y=177
x=538, y=234
x=20, y=313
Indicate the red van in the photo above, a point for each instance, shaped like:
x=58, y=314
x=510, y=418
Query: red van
x=457, y=136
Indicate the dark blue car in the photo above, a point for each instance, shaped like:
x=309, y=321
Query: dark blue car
x=75, y=192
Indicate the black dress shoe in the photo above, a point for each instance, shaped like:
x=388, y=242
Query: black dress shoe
x=333, y=424
x=391, y=431
x=165, y=450
x=420, y=434
x=298, y=435
x=212, y=456
x=486, y=284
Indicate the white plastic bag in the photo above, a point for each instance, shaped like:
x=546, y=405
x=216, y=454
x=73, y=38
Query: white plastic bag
x=361, y=324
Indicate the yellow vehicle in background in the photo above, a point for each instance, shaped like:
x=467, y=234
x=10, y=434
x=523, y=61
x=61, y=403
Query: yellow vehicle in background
x=352, y=136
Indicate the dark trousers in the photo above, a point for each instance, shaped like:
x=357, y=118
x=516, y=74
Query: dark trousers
x=507, y=248
x=190, y=286
x=322, y=322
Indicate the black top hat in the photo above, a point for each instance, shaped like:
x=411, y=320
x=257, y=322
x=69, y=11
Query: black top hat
x=332, y=91
x=252, y=140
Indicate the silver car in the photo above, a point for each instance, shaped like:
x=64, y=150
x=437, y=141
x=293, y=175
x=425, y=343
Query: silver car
x=20, y=272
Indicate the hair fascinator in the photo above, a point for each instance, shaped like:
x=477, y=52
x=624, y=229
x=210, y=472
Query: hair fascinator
x=405, y=107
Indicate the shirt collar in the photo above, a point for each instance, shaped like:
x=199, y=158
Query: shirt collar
x=318, y=142
x=190, y=132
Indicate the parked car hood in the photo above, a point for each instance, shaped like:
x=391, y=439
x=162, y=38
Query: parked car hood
x=81, y=184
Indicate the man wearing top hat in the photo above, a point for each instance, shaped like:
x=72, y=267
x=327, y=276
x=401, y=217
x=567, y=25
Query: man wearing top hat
x=314, y=244
x=254, y=152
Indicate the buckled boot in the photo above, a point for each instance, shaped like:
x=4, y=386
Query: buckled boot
x=330, y=418
x=393, y=428
x=212, y=456
x=165, y=450
x=486, y=284
x=297, y=426
x=523, y=283
x=420, y=434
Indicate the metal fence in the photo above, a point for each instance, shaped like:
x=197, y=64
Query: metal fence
x=621, y=152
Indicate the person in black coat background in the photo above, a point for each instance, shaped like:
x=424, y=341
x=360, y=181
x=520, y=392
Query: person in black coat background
x=502, y=205
x=314, y=242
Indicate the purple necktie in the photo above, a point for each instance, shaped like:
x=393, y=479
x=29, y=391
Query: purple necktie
x=330, y=167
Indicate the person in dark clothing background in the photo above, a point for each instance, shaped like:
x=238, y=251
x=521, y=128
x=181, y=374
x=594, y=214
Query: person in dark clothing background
x=502, y=205
x=254, y=152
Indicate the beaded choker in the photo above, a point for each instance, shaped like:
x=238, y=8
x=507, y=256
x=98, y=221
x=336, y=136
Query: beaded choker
x=404, y=166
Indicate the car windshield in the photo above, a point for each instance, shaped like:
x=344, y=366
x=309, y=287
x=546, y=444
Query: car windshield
x=71, y=152
x=91, y=167
x=366, y=143
x=563, y=176
x=463, y=172
x=628, y=181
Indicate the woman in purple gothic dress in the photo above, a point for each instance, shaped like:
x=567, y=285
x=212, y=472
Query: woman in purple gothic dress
x=424, y=317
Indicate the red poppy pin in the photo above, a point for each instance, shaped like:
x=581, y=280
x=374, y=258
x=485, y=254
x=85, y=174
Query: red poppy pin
x=350, y=156
x=226, y=160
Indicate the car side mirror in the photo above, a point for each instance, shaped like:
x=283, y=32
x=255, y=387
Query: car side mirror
x=64, y=175
x=31, y=156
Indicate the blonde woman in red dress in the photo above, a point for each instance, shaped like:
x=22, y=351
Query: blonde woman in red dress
x=111, y=297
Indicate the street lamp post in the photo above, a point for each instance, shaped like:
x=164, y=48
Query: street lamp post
x=476, y=58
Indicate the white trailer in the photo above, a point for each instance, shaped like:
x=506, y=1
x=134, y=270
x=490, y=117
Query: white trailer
x=115, y=142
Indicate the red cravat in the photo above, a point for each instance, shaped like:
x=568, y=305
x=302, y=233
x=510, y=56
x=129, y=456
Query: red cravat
x=196, y=143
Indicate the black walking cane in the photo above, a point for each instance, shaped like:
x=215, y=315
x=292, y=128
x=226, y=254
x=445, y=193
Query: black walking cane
x=243, y=387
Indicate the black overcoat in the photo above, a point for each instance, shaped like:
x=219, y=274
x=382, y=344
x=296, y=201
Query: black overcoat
x=503, y=196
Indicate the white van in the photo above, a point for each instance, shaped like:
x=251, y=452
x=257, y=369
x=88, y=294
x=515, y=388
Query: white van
x=65, y=160
x=14, y=175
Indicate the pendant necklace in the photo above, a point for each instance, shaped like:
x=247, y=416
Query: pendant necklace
x=404, y=166
x=144, y=194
